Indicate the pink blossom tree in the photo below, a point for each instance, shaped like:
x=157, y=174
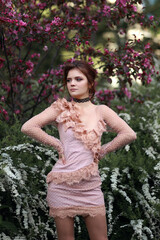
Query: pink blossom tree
x=34, y=35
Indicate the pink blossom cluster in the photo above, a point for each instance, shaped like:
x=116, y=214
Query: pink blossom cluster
x=105, y=96
x=33, y=43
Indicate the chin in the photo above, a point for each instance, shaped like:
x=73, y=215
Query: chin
x=75, y=95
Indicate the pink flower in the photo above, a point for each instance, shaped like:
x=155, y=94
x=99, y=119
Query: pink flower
x=30, y=66
x=106, y=51
x=95, y=24
x=48, y=28
x=19, y=43
x=121, y=32
x=41, y=5
x=121, y=2
x=106, y=11
x=147, y=46
x=6, y=87
x=17, y=111
x=8, y=3
x=151, y=18
x=1, y=62
x=4, y=112
x=45, y=48
x=134, y=8
x=56, y=21
x=15, y=32
x=35, y=55
x=149, y=79
x=146, y=63
x=22, y=24
x=126, y=92
x=2, y=98
x=120, y=107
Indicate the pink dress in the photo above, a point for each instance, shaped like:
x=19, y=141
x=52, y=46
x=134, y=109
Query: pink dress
x=75, y=188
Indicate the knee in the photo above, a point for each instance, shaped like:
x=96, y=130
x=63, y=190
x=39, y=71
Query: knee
x=102, y=238
x=66, y=238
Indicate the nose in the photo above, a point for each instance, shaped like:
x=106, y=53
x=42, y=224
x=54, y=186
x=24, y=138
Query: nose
x=72, y=82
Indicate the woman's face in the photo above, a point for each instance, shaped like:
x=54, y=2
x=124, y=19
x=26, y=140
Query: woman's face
x=77, y=84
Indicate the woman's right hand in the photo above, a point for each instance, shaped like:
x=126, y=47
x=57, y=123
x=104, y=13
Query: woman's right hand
x=61, y=157
x=61, y=151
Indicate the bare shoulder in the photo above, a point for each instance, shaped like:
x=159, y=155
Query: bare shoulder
x=103, y=108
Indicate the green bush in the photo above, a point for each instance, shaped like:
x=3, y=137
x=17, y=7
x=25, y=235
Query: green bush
x=130, y=181
x=23, y=170
x=131, y=175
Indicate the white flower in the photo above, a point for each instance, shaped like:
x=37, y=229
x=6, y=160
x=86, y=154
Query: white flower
x=3, y=236
x=125, y=116
x=114, y=176
x=20, y=238
x=137, y=226
x=157, y=167
x=109, y=212
x=150, y=152
x=9, y=172
x=25, y=221
x=124, y=194
x=103, y=176
x=127, y=147
x=2, y=187
x=152, y=199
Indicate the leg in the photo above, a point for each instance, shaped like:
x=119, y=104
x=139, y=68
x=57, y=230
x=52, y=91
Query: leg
x=97, y=227
x=65, y=228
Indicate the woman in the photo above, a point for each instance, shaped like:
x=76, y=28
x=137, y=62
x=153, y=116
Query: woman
x=74, y=184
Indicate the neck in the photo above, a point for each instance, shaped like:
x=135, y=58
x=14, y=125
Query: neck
x=81, y=100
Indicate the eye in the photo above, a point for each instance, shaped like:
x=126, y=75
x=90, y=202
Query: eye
x=68, y=80
x=79, y=79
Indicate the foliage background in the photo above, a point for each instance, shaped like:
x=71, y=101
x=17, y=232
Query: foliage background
x=130, y=177
x=130, y=180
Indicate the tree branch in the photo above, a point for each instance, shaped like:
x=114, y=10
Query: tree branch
x=8, y=67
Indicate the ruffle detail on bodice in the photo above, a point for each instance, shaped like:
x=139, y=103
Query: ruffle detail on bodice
x=70, y=117
x=74, y=176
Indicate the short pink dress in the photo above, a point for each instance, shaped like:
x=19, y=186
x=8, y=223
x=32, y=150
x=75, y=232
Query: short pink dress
x=75, y=188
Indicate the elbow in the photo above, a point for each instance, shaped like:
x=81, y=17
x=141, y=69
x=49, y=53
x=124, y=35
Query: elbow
x=24, y=128
x=134, y=136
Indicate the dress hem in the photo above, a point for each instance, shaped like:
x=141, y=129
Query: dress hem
x=77, y=210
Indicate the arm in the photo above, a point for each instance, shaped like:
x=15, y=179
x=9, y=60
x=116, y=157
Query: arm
x=33, y=126
x=125, y=134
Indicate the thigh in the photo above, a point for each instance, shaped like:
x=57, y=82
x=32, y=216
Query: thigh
x=65, y=228
x=97, y=227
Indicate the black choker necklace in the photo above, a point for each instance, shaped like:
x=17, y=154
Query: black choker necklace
x=81, y=100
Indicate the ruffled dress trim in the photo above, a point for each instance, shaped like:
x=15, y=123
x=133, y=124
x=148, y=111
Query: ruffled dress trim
x=77, y=210
x=75, y=176
x=70, y=117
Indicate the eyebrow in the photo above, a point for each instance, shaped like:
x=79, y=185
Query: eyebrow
x=76, y=77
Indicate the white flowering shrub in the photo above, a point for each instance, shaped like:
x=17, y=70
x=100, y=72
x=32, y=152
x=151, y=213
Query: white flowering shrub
x=24, y=212
x=131, y=177
x=130, y=181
